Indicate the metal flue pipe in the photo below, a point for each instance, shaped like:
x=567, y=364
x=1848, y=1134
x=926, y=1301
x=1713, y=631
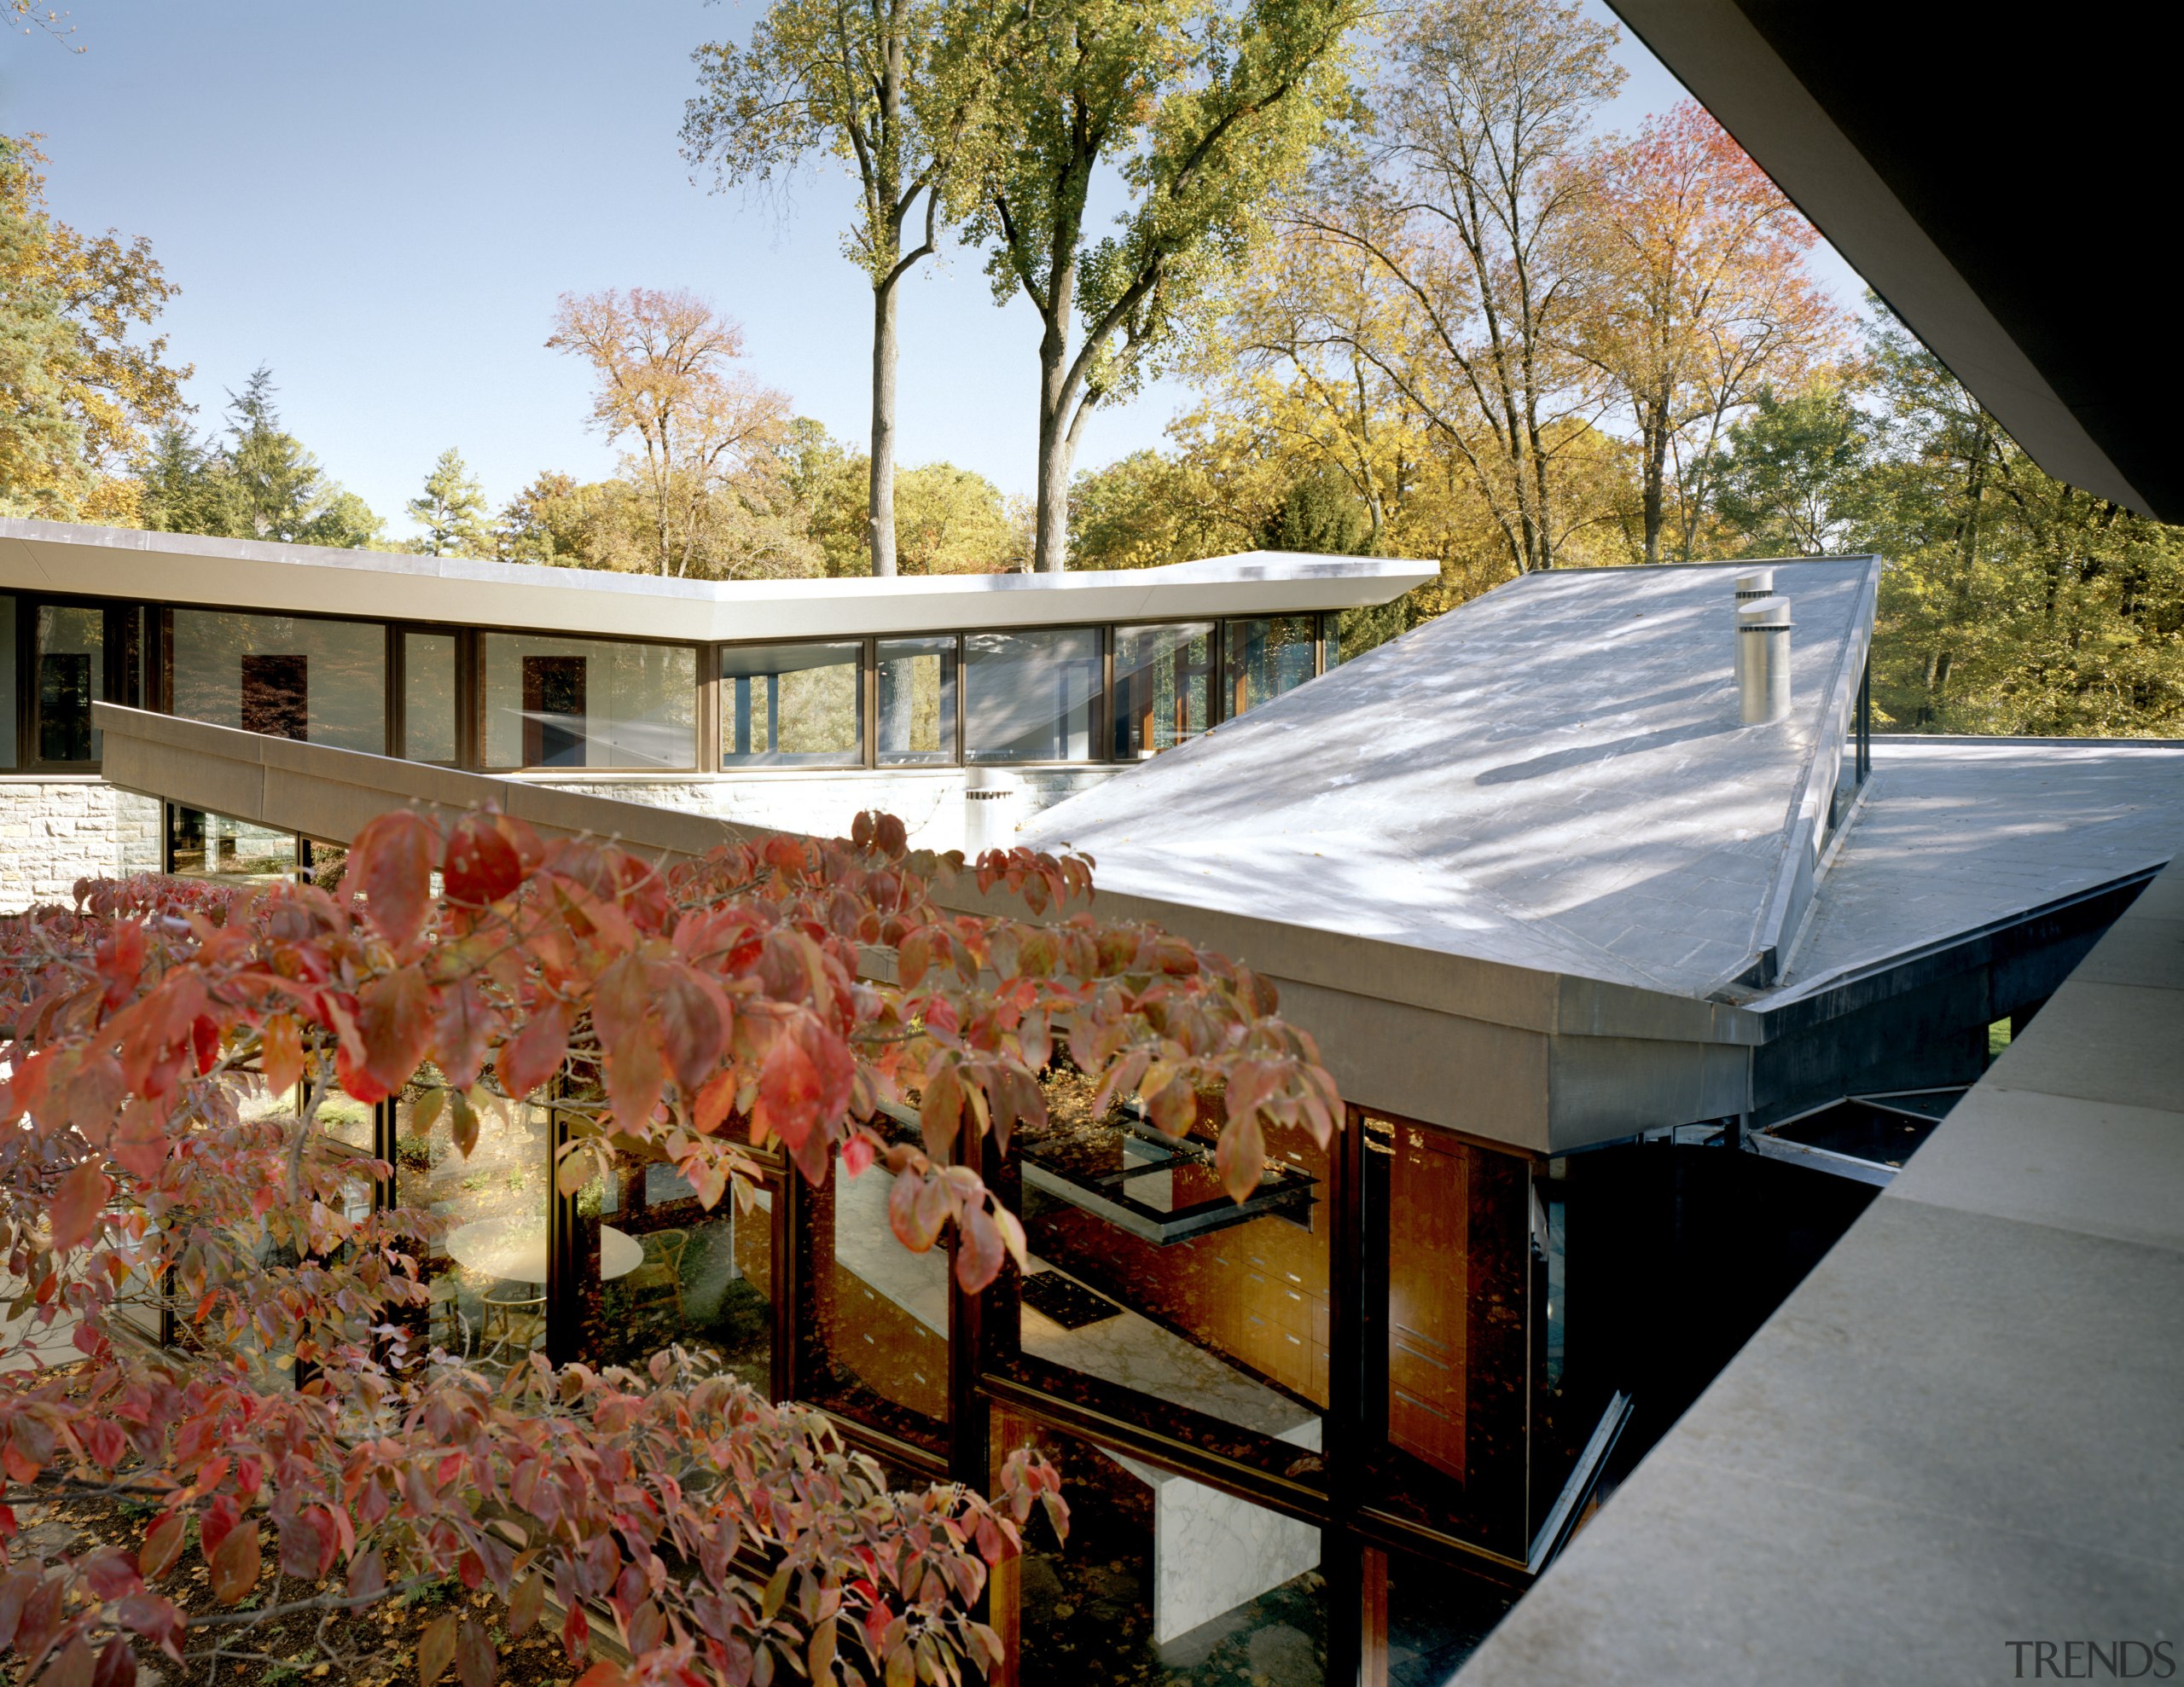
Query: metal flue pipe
x=1753, y=584
x=1764, y=660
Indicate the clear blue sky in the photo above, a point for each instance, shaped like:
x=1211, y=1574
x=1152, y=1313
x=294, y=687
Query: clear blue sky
x=382, y=201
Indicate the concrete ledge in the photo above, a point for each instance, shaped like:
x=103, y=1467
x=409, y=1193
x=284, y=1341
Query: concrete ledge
x=1962, y=1429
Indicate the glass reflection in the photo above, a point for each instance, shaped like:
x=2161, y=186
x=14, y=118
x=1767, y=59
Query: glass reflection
x=428, y=705
x=70, y=673
x=282, y=676
x=7, y=747
x=667, y=1273
x=1031, y=696
x=872, y=1317
x=1164, y=686
x=917, y=700
x=1269, y=656
x=792, y=705
x=1162, y=1579
x=589, y=703
x=226, y=850
x=1146, y=1276
x=486, y=1269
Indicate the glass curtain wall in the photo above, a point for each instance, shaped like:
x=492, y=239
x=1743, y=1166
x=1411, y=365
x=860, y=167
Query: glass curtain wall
x=1162, y=1580
x=655, y=1269
x=1164, y=686
x=917, y=701
x=227, y=850
x=9, y=750
x=428, y=698
x=871, y=1316
x=799, y=706
x=1152, y=1295
x=70, y=658
x=1031, y=696
x=321, y=681
x=487, y=1271
x=1269, y=656
x=589, y=703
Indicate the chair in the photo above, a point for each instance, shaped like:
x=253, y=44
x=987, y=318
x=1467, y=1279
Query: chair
x=661, y=1273
x=519, y=1317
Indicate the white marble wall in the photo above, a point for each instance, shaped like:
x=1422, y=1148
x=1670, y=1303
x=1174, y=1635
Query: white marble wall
x=1212, y=1551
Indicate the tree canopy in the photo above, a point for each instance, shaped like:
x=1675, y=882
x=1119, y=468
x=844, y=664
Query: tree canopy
x=721, y=1538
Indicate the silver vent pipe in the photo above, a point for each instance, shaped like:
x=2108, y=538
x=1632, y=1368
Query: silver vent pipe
x=1753, y=584
x=1764, y=660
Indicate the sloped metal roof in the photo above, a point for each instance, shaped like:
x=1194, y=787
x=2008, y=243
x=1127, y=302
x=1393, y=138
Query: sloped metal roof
x=1554, y=775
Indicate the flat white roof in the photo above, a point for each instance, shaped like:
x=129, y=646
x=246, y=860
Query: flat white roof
x=53, y=556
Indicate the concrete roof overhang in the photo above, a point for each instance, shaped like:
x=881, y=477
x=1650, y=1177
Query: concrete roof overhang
x=305, y=579
x=1924, y=148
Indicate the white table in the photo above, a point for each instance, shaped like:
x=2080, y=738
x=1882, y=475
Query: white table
x=514, y=1250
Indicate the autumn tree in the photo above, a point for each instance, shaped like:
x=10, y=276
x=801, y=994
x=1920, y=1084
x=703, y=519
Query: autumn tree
x=85, y=390
x=664, y=364
x=452, y=511
x=1203, y=111
x=888, y=88
x=780, y=992
x=1460, y=192
x=1698, y=296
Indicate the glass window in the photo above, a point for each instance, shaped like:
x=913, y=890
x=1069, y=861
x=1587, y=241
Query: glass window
x=792, y=705
x=1164, y=686
x=1454, y=1232
x=7, y=681
x=1031, y=696
x=428, y=697
x=283, y=675
x=917, y=700
x=232, y=851
x=71, y=672
x=1269, y=656
x=1146, y=1277
x=666, y=1272
x=872, y=1316
x=1163, y=1579
x=588, y=703
x=487, y=1271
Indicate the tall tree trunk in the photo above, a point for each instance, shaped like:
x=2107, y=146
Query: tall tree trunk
x=880, y=524
x=1057, y=452
x=1655, y=428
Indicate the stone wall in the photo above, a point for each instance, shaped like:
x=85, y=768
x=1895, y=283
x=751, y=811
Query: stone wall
x=54, y=832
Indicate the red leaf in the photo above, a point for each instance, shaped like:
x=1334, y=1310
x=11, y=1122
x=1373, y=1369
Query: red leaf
x=979, y=1253
x=435, y=1650
x=473, y=1656
x=391, y=862
x=460, y=1029
x=236, y=1563
x=858, y=1155
x=788, y=1094
x=205, y=1037
x=1240, y=1157
x=394, y=1017
x=633, y=1079
x=525, y=1604
x=281, y=1052
x=117, y=1666
x=162, y=1545
x=77, y=1204
x=481, y=865
x=535, y=1052
x=693, y=1031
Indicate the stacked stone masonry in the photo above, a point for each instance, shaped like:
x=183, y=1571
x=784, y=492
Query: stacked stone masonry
x=54, y=832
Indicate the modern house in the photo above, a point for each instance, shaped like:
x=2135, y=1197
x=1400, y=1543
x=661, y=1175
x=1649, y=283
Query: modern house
x=1642, y=962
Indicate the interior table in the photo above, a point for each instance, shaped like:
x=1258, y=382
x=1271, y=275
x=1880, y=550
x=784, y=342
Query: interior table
x=514, y=1250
